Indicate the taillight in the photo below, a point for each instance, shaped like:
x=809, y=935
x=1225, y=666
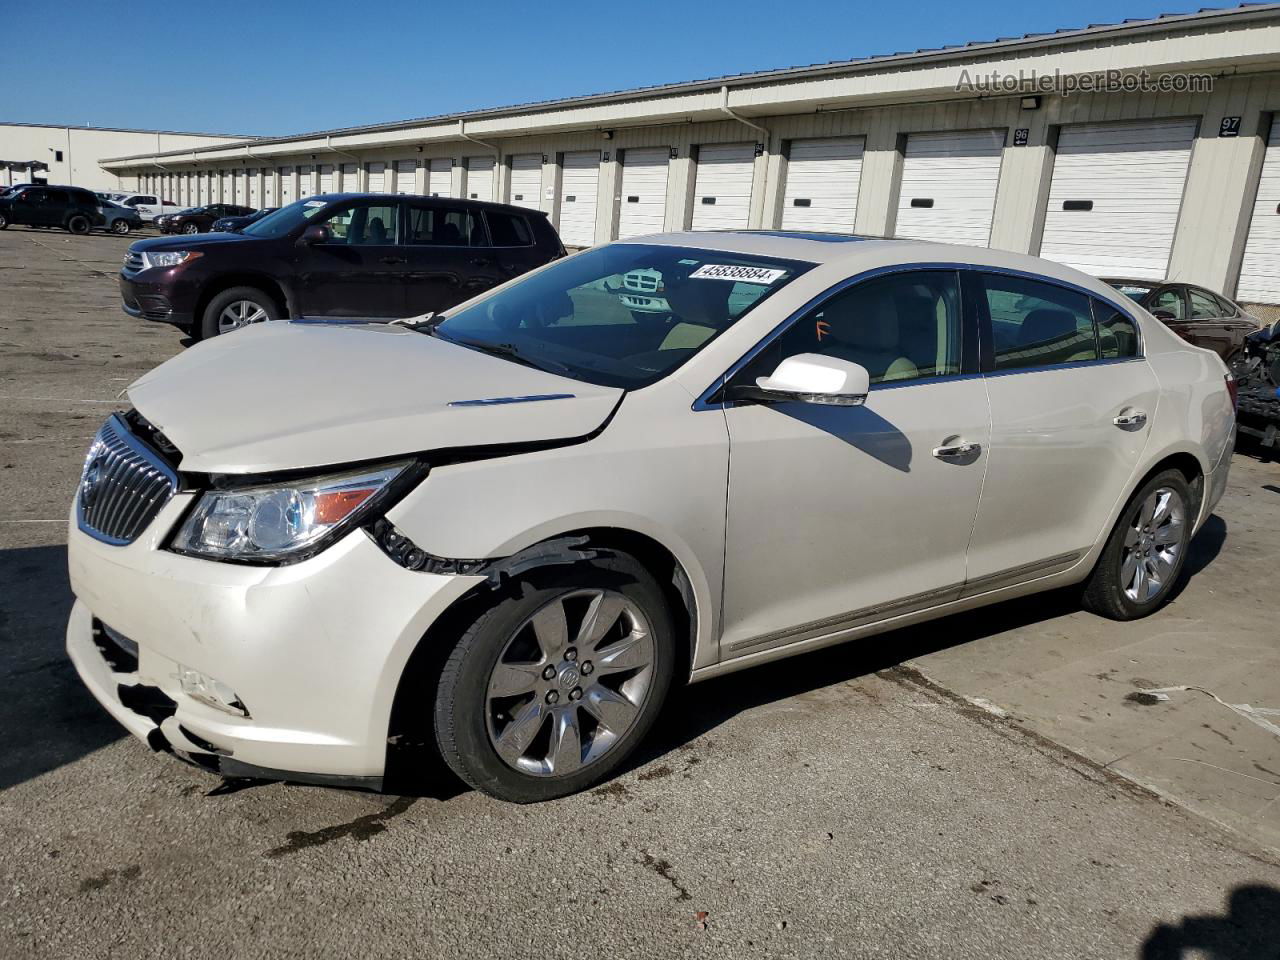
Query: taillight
x=1233, y=388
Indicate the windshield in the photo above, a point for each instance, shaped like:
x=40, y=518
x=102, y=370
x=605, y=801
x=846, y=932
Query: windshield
x=1134, y=291
x=286, y=219
x=622, y=315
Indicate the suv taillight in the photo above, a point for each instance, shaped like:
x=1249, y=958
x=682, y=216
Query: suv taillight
x=1233, y=388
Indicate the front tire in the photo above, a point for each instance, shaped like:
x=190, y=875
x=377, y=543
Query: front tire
x=236, y=308
x=551, y=689
x=120, y=227
x=190, y=228
x=79, y=225
x=1144, y=555
x=4, y=222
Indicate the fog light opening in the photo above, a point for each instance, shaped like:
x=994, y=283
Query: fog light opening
x=211, y=691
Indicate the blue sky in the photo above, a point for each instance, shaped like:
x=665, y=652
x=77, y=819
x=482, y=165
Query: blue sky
x=278, y=67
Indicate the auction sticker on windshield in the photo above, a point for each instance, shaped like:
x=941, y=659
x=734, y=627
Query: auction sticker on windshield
x=730, y=271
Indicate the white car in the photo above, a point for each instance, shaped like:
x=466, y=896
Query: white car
x=148, y=205
x=510, y=531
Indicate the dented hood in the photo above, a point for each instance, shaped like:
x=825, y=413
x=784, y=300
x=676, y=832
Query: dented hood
x=283, y=396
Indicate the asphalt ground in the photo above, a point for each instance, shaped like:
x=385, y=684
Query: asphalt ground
x=927, y=793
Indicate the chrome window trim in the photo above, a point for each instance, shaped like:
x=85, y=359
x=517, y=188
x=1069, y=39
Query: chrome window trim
x=702, y=403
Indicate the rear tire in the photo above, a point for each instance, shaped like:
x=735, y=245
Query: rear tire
x=1145, y=553
x=591, y=696
x=235, y=308
x=79, y=225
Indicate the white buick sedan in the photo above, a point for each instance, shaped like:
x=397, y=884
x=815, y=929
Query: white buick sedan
x=510, y=530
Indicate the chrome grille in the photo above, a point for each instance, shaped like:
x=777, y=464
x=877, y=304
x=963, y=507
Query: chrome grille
x=123, y=486
x=132, y=262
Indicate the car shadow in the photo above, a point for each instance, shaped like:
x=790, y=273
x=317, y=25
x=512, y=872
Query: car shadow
x=1249, y=930
x=1202, y=551
x=50, y=717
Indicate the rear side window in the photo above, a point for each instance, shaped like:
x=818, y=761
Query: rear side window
x=444, y=227
x=508, y=229
x=1228, y=308
x=1203, y=306
x=58, y=196
x=1117, y=335
x=1036, y=324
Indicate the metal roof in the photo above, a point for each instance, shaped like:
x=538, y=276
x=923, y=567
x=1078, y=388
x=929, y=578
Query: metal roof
x=1062, y=36
x=92, y=129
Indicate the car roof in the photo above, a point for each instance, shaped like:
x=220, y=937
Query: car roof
x=855, y=253
x=452, y=201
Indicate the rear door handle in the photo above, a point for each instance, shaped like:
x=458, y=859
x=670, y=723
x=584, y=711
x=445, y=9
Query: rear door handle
x=480, y=261
x=957, y=451
x=1130, y=418
x=392, y=261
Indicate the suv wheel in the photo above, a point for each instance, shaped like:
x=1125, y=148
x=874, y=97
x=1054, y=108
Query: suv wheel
x=4, y=222
x=549, y=691
x=1145, y=552
x=120, y=226
x=78, y=224
x=190, y=228
x=235, y=308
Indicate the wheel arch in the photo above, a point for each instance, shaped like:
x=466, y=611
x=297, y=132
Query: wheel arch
x=412, y=759
x=264, y=282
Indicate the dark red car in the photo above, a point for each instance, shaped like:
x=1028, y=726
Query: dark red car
x=336, y=255
x=1197, y=315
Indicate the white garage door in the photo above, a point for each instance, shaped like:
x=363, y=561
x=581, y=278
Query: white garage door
x=237, y=178
x=224, y=188
x=269, y=189
x=1260, y=271
x=255, y=189
x=304, y=182
x=326, y=178
x=526, y=179
x=350, y=182
x=822, y=185
x=644, y=192
x=440, y=177
x=579, y=184
x=1115, y=194
x=377, y=177
x=722, y=189
x=949, y=186
x=480, y=178
x=406, y=176
x=286, y=186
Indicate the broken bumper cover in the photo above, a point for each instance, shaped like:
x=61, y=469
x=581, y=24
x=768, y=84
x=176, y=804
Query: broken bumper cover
x=314, y=651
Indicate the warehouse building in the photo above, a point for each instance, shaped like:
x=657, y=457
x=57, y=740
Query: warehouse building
x=36, y=153
x=1141, y=149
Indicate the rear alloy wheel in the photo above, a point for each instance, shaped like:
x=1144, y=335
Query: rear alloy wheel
x=235, y=309
x=78, y=225
x=1145, y=552
x=547, y=693
x=120, y=227
x=190, y=228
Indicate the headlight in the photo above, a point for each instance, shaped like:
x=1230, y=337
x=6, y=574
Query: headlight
x=281, y=523
x=170, y=259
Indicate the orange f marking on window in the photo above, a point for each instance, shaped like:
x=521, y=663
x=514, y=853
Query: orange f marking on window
x=822, y=328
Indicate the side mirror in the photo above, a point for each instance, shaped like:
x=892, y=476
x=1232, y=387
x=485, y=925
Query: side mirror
x=315, y=233
x=813, y=378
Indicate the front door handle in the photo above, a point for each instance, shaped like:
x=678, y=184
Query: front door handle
x=956, y=449
x=481, y=261
x=1130, y=418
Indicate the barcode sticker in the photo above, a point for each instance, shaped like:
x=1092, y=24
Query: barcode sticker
x=730, y=271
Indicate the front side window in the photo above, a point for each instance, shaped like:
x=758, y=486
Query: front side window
x=1170, y=301
x=1037, y=324
x=444, y=227
x=367, y=226
x=623, y=315
x=904, y=326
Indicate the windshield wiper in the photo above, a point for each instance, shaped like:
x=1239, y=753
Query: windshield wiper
x=507, y=351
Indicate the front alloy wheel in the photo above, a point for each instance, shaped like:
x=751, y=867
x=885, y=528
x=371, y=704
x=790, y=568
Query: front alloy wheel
x=190, y=228
x=240, y=313
x=552, y=686
x=556, y=701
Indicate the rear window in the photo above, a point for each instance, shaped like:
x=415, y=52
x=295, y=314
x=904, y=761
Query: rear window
x=508, y=229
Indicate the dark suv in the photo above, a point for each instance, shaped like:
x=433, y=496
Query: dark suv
x=71, y=208
x=199, y=219
x=336, y=255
